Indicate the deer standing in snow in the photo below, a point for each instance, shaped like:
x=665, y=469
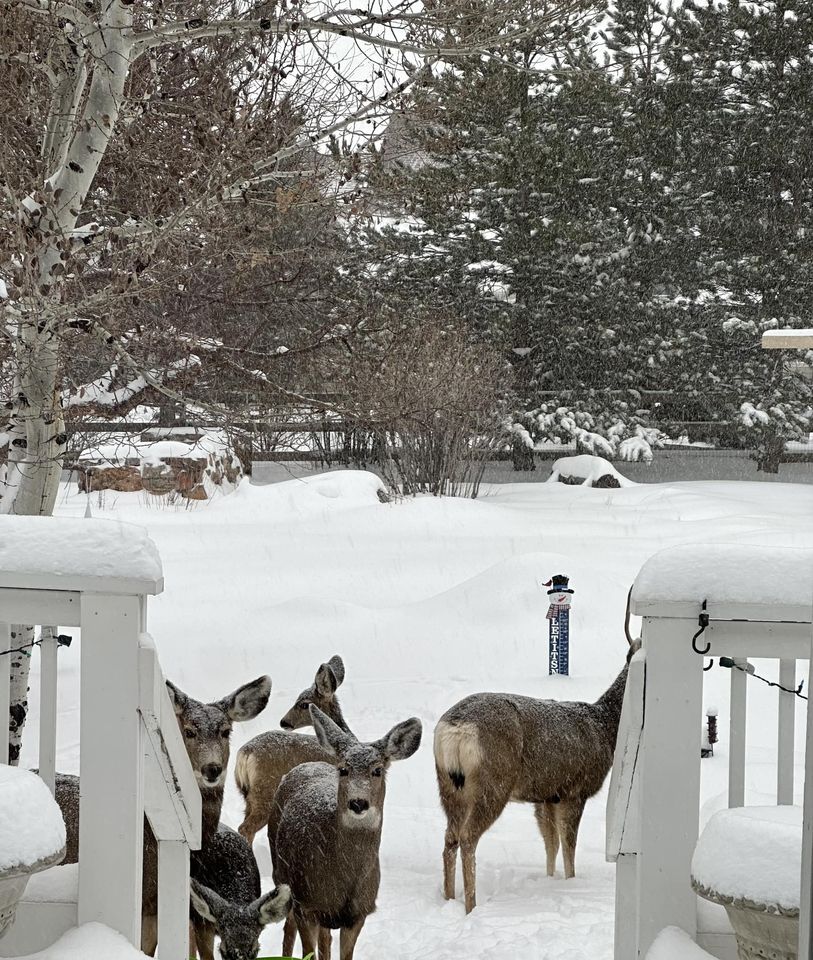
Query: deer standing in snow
x=264, y=760
x=325, y=831
x=492, y=748
x=206, y=729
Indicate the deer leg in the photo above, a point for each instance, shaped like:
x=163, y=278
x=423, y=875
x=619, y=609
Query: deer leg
x=450, y=848
x=255, y=819
x=289, y=936
x=480, y=817
x=347, y=940
x=325, y=935
x=568, y=817
x=205, y=940
x=149, y=934
x=308, y=935
x=546, y=818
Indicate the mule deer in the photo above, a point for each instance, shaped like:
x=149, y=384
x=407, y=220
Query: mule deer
x=494, y=747
x=226, y=900
x=265, y=759
x=325, y=831
x=206, y=728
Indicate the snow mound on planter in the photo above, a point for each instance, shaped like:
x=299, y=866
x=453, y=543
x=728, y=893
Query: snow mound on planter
x=69, y=546
x=91, y=941
x=728, y=573
x=31, y=824
x=589, y=468
x=752, y=853
x=672, y=943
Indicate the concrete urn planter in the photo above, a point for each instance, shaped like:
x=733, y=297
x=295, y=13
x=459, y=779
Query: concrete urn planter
x=749, y=861
x=32, y=836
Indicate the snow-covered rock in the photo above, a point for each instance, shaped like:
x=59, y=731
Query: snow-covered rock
x=752, y=853
x=66, y=546
x=589, y=468
x=31, y=824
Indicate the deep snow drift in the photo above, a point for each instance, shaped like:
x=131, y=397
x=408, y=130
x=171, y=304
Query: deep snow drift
x=429, y=600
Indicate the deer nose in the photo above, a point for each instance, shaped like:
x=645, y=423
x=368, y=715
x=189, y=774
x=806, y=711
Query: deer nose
x=211, y=772
x=286, y=725
x=358, y=806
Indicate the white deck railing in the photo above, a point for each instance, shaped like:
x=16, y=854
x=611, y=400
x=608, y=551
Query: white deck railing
x=132, y=758
x=654, y=796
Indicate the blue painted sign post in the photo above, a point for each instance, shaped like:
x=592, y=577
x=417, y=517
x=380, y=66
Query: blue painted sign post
x=558, y=617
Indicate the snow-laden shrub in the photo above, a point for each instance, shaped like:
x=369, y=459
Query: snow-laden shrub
x=614, y=432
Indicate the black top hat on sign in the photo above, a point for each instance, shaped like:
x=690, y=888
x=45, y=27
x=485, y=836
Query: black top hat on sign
x=559, y=584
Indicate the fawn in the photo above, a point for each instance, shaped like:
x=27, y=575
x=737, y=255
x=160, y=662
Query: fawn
x=325, y=831
x=264, y=760
x=225, y=898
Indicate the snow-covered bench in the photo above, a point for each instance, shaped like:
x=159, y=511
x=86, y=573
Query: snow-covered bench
x=97, y=575
x=759, y=600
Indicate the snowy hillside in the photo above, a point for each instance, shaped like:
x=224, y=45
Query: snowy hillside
x=427, y=601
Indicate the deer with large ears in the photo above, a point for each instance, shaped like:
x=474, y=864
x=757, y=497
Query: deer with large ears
x=264, y=760
x=492, y=748
x=206, y=728
x=226, y=899
x=325, y=832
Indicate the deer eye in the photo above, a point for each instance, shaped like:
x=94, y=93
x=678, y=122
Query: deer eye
x=343, y=771
x=377, y=771
x=190, y=733
x=302, y=705
x=225, y=734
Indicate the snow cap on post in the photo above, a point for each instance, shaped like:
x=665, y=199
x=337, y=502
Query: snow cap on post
x=69, y=553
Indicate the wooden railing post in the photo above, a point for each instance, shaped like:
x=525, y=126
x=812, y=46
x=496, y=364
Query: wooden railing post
x=669, y=755
x=738, y=713
x=806, y=891
x=786, y=733
x=111, y=810
x=173, y=899
x=49, y=646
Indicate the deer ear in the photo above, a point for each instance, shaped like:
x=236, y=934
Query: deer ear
x=336, y=664
x=274, y=906
x=402, y=741
x=178, y=698
x=329, y=735
x=204, y=901
x=248, y=701
x=326, y=681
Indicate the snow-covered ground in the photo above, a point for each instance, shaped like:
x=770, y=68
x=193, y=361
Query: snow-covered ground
x=429, y=600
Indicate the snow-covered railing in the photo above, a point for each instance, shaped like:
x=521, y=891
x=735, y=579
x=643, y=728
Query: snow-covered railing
x=96, y=575
x=654, y=798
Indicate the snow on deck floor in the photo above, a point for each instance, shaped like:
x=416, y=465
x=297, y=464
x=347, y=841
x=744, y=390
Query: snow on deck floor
x=429, y=600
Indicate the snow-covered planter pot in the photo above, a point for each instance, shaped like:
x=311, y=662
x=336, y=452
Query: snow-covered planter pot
x=749, y=860
x=32, y=836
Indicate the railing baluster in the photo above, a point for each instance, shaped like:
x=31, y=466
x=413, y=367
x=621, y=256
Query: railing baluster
x=736, y=735
x=786, y=715
x=48, y=683
x=5, y=689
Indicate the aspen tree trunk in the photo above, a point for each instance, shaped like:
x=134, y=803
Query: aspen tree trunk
x=86, y=99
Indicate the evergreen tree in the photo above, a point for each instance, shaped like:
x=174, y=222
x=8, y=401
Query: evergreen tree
x=744, y=78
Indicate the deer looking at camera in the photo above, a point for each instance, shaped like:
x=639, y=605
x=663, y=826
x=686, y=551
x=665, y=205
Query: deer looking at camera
x=206, y=729
x=325, y=831
x=265, y=759
x=492, y=748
